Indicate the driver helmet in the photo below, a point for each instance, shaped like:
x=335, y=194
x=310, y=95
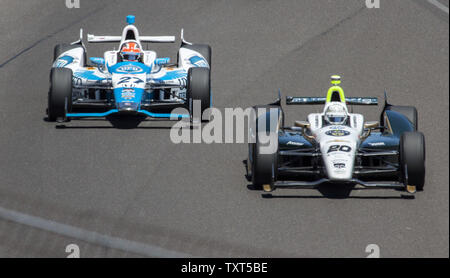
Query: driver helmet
x=336, y=114
x=130, y=52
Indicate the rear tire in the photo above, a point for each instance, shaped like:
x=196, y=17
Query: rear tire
x=199, y=88
x=60, y=94
x=203, y=49
x=409, y=112
x=412, y=159
x=61, y=48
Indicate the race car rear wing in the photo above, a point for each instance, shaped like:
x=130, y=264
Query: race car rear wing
x=322, y=100
x=151, y=39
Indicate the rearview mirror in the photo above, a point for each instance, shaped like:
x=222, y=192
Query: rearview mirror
x=97, y=61
x=302, y=124
x=370, y=125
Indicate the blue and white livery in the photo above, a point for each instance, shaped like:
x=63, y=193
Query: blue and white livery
x=150, y=86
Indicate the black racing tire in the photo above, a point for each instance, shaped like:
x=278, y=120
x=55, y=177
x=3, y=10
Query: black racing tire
x=198, y=88
x=409, y=112
x=61, y=48
x=59, y=94
x=264, y=166
x=412, y=158
x=203, y=49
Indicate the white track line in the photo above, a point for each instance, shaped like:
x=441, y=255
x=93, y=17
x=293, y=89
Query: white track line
x=88, y=236
x=439, y=5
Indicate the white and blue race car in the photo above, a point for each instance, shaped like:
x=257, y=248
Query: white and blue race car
x=129, y=80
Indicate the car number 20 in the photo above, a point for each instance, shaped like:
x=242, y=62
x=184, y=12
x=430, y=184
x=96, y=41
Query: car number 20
x=340, y=148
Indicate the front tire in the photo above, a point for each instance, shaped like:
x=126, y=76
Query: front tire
x=60, y=94
x=412, y=159
x=264, y=166
x=199, y=88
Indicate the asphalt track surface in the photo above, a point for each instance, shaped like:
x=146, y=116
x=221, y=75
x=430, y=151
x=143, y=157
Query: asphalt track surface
x=132, y=184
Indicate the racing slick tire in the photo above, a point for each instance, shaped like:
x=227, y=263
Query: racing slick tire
x=60, y=94
x=263, y=167
x=409, y=112
x=203, y=49
x=199, y=88
x=61, y=48
x=412, y=159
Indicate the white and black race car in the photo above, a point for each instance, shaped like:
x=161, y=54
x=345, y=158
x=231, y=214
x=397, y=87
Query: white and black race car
x=337, y=147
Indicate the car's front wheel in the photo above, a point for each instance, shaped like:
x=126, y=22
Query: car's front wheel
x=264, y=159
x=412, y=159
x=60, y=94
x=199, y=89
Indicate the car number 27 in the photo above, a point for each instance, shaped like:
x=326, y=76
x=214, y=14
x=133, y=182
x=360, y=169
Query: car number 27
x=128, y=79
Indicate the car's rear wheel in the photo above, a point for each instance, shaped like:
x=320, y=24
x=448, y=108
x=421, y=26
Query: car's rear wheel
x=412, y=159
x=61, y=48
x=203, y=49
x=409, y=112
x=60, y=94
x=199, y=88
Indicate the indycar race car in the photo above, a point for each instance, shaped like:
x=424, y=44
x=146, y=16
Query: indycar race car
x=129, y=80
x=337, y=147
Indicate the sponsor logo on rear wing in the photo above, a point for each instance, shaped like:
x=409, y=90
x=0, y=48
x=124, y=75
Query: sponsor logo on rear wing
x=305, y=100
x=322, y=100
x=362, y=100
